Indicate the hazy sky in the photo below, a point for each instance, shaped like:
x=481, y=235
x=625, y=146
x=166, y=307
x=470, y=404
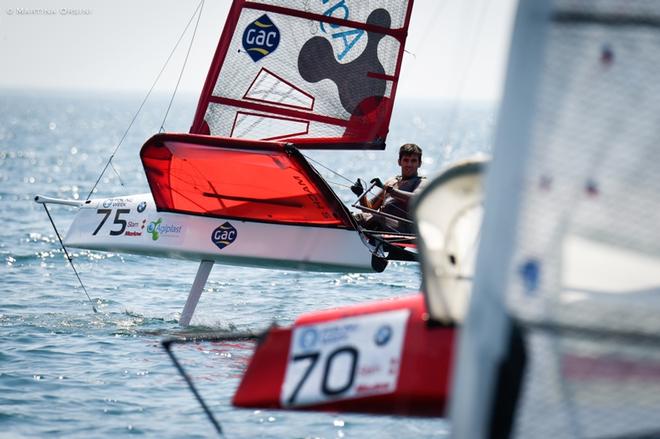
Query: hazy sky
x=457, y=47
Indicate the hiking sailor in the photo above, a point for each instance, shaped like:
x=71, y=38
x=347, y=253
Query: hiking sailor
x=395, y=195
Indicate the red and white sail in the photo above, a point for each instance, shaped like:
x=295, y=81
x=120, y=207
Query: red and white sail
x=322, y=69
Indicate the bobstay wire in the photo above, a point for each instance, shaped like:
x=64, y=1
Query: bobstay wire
x=198, y=11
x=202, y=338
x=68, y=257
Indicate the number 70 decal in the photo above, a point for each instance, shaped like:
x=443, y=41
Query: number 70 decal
x=344, y=359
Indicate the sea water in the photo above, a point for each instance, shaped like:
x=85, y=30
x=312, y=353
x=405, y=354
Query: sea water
x=66, y=371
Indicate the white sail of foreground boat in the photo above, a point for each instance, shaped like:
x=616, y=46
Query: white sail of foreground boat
x=561, y=338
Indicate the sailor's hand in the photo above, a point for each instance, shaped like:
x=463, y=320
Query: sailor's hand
x=376, y=182
x=357, y=188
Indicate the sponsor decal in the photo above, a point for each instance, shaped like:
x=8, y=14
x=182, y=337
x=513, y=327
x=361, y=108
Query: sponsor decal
x=346, y=36
x=224, y=235
x=308, y=339
x=142, y=206
x=383, y=335
x=261, y=38
x=134, y=228
x=115, y=202
x=153, y=229
x=158, y=229
x=343, y=359
x=530, y=272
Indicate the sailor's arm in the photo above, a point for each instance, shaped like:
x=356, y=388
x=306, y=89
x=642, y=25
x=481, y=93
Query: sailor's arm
x=379, y=199
x=373, y=203
x=404, y=195
x=398, y=193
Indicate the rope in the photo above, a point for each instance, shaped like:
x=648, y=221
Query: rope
x=183, y=67
x=334, y=183
x=472, y=52
x=142, y=104
x=167, y=344
x=369, y=191
x=121, y=182
x=328, y=169
x=52, y=223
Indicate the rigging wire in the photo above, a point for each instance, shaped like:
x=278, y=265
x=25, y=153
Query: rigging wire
x=200, y=7
x=328, y=169
x=167, y=344
x=69, y=258
x=335, y=183
x=369, y=190
x=430, y=26
x=123, y=137
x=117, y=174
x=455, y=108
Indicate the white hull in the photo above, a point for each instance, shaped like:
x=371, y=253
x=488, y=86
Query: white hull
x=132, y=225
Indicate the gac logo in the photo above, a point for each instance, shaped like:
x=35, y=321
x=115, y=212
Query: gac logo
x=224, y=235
x=261, y=38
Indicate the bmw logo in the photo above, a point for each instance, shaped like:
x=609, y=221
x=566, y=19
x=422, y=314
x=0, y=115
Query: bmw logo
x=383, y=335
x=308, y=338
x=107, y=203
x=142, y=206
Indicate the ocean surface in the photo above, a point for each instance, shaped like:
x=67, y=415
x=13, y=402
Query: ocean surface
x=68, y=372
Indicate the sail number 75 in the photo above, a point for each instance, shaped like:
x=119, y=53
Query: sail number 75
x=117, y=220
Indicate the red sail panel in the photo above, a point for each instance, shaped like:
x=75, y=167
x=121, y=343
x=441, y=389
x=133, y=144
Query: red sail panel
x=299, y=70
x=232, y=178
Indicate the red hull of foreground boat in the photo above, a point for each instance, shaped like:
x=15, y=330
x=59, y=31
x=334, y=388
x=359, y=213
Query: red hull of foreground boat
x=415, y=378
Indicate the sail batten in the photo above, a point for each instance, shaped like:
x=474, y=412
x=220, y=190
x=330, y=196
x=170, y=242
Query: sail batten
x=278, y=111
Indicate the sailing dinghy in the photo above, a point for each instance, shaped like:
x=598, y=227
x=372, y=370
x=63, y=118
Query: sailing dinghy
x=236, y=189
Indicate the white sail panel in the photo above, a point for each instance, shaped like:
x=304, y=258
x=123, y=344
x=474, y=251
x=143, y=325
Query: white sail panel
x=222, y=119
x=592, y=176
x=267, y=127
x=269, y=88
